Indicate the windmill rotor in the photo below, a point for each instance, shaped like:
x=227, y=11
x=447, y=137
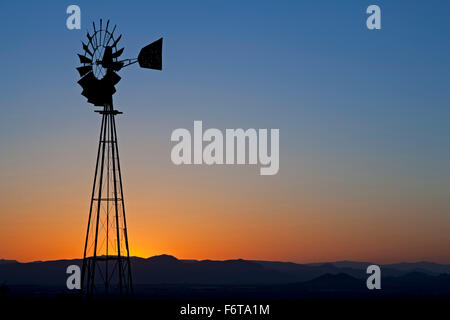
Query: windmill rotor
x=100, y=62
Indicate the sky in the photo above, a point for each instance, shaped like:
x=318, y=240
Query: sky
x=364, y=120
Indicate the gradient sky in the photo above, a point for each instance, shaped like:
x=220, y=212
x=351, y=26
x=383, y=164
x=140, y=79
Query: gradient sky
x=364, y=119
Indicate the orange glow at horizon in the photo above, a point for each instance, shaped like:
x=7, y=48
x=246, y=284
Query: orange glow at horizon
x=218, y=221
x=301, y=215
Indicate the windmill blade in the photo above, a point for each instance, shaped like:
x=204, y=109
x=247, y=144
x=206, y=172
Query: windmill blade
x=115, y=42
x=86, y=48
x=100, y=31
x=111, y=35
x=106, y=31
x=150, y=57
x=84, y=59
x=117, y=53
x=90, y=39
x=98, y=92
x=88, y=81
x=83, y=70
x=94, y=35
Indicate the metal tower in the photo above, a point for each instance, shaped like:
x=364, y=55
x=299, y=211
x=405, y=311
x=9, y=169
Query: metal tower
x=106, y=260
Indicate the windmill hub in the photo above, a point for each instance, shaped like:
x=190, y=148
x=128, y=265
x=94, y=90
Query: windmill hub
x=99, y=70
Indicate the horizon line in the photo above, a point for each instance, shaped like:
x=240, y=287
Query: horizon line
x=234, y=259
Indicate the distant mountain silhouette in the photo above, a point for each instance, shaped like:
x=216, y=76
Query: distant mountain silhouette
x=422, y=266
x=345, y=264
x=163, y=258
x=3, y=261
x=272, y=276
x=335, y=282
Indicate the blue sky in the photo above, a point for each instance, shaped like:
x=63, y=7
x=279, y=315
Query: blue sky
x=309, y=63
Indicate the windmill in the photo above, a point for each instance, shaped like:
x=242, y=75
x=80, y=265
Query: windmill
x=106, y=259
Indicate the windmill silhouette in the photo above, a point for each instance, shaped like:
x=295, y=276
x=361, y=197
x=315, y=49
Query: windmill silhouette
x=106, y=259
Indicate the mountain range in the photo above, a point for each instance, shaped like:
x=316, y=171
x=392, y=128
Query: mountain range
x=270, y=277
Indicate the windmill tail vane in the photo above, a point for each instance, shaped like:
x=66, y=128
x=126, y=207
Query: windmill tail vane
x=106, y=265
